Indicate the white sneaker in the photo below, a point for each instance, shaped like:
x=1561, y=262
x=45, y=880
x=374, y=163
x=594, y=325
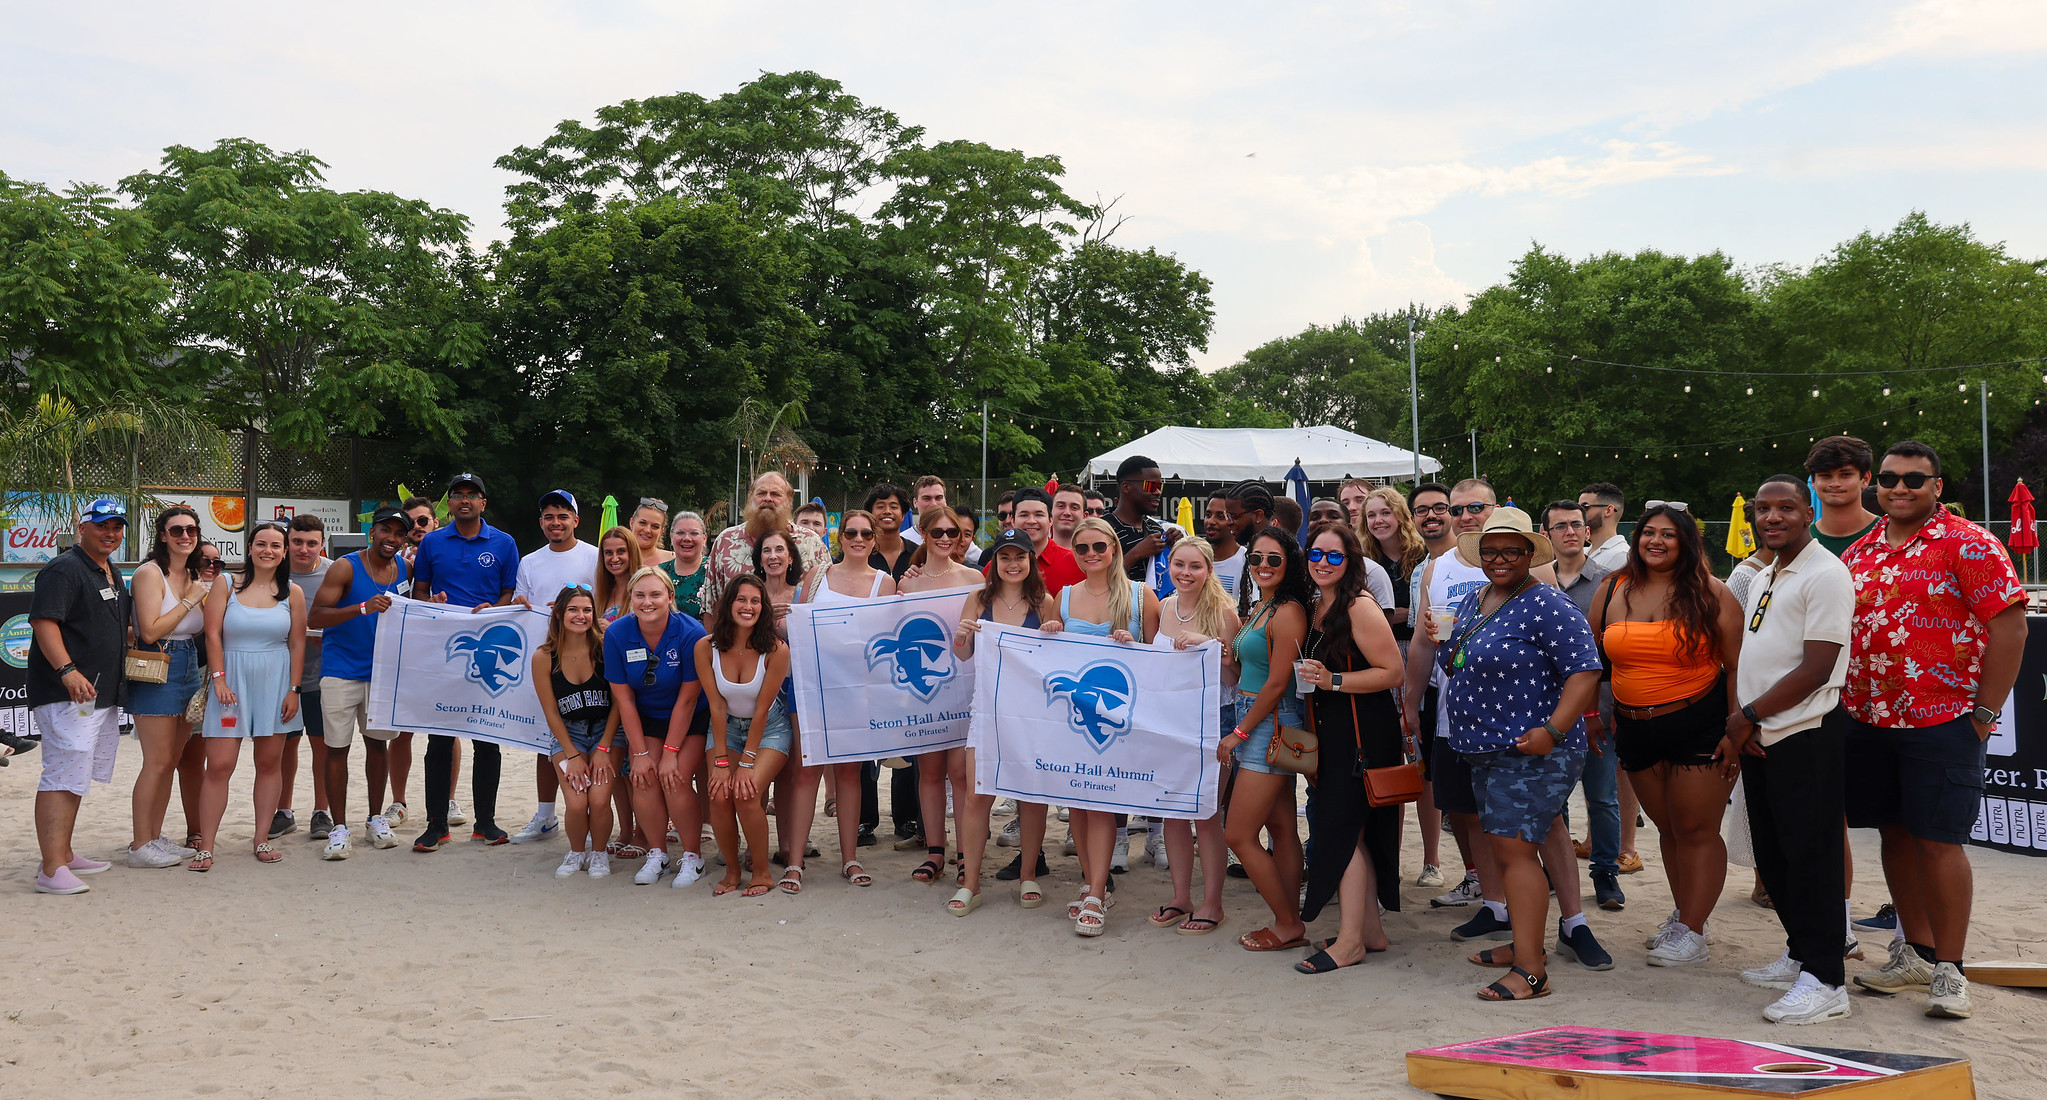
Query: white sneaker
x=1121, y=862
x=394, y=814
x=381, y=835
x=338, y=846
x=540, y=828
x=1906, y=970
x=1006, y=808
x=455, y=814
x=599, y=863
x=152, y=854
x=1670, y=922
x=1065, y=814
x=1011, y=835
x=1682, y=947
x=1467, y=892
x=178, y=850
x=1154, y=849
x=689, y=867
x=650, y=871
x=1810, y=1001
x=1431, y=875
x=571, y=863
x=1950, y=999
x=1782, y=974
x=1069, y=849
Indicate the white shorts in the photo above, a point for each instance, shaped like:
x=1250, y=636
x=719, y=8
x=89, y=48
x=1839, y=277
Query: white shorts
x=77, y=752
x=344, y=708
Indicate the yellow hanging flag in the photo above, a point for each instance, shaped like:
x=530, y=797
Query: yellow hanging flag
x=1741, y=538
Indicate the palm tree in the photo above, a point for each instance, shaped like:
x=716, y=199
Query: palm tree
x=54, y=448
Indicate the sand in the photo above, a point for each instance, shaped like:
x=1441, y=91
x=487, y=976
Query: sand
x=473, y=972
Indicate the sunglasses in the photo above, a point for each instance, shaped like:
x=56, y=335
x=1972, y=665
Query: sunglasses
x=856, y=532
x=945, y=532
x=182, y=530
x=1509, y=554
x=1092, y=547
x=1265, y=559
x=1319, y=555
x=421, y=521
x=648, y=679
x=1673, y=505
x=1152, y=486
x=1755, y=622
x=209, y=563
x=1469, y=509
x=1005, y=515
x=1914, y=481
x=655, y=503
x=1432, y=510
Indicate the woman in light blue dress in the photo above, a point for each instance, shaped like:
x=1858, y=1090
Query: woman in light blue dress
x=255, y=640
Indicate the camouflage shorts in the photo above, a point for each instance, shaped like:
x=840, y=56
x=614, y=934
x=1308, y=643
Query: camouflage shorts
x=1518, y=795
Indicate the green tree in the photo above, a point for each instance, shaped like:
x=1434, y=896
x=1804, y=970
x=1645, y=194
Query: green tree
x=299, y=309
x=77, y=311
x=1345, y=374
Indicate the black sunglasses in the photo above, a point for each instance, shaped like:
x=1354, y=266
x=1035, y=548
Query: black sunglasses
x=1468, y=509
x=421, y=521
x=182, y=529
x=1265, y=559
x=209, y=563
x=1914, y=481
x=945, y=532
x=648, y=679
x=856, y=532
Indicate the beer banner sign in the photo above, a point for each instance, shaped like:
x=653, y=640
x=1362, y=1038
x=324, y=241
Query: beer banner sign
x=879, y=678
x=447, y=670
x=1083, y=721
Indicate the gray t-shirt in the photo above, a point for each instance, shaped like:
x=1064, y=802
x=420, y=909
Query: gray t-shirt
x=1581, y=590
x=309, y=583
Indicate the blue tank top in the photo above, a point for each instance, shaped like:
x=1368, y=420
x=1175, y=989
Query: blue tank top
x=346, y=649
x=1102, y=630
x=1030, y=617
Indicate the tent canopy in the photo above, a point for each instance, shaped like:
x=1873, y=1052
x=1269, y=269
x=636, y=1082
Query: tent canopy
x=1326, y=453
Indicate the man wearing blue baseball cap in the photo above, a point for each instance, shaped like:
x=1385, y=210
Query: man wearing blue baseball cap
x=76, y=684
x=566, y=560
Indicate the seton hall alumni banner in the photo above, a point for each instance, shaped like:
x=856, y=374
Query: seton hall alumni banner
x=879, y=678
x=442, y=669
x=1086, y=722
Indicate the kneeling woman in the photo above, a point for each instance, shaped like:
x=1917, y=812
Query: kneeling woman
x=568, y=674
x=1522, y=667
x=647, y=662
x=741, y=665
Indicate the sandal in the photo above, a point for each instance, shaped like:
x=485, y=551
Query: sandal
x=1265, y=939
x=792, y=881
x=927, y=871
x=1093, y=919
x=854, y=873
x=631, y=851
x=831, y=807
x=1160, y=918
x=265, y=853
x=192, y=841
x=1537, y=987
x=755, y=889
x=1028, y=895
x=723, y=888
x=963, y=902
x=202, y=860
x=1199, y=926
x=1492, y=956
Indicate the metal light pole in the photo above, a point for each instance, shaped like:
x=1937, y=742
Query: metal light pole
x=982, y=516
x=1474, y=452
x=1414, y=402
x=1983, y=392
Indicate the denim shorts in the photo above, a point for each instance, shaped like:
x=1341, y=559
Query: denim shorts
x=776, y=735
x=584, y=733
x=1251, y=754
x=1520, y=795
x=187, y=674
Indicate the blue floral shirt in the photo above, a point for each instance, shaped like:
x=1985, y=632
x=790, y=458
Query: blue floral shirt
x=1514, y=669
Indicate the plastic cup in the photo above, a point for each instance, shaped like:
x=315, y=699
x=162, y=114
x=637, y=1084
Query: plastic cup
x=1442, y=618
x=1301, y=686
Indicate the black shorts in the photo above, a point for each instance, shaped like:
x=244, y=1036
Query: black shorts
x=1928, y=781
x=1450, y=780
x=1685, y=739
x=1427, y=725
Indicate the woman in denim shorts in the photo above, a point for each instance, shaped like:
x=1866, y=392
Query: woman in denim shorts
x=1265, y=649
x=170, y=590
x=568, y=672
x=742, y=665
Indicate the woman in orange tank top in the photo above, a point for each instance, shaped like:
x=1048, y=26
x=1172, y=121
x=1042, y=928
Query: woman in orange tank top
x=1671, y=634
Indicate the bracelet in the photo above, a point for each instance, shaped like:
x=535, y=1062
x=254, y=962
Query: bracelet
x=648, y=752
x=362, y=608
x=604, y=748
x=1239, y=732
x=725, y=763
x=749, y=753
x=744, y=764
x=1555, y=734
x=671, y=748
x=1588, y=716
x=66, y=670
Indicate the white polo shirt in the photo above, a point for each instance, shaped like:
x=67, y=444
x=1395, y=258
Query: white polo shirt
x=1812, y=599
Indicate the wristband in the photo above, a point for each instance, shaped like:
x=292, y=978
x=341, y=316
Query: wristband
x=362, y=608
x=1239, y=732
x=604, y=748
x=217, y=675
x=725, y=763
x=1588, y=716
x=67, y=670
x=671, y=748
x=1555, y=734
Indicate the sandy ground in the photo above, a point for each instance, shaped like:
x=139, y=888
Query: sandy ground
x=474, y=972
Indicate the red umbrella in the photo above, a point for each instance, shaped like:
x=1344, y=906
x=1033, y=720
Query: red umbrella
x=2023, y=539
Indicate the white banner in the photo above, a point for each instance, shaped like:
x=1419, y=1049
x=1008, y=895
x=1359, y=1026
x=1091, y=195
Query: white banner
x=878, y=678
x=1086, y=722
x=336, y=514
x=442, y=669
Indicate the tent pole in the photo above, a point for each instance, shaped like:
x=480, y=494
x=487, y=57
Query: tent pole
x=1414, y=402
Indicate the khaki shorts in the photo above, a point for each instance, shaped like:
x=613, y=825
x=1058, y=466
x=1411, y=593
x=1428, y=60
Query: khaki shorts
x=345, y=707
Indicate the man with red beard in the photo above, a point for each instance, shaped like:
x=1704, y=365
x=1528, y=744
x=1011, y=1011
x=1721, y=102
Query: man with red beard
x=768, y=509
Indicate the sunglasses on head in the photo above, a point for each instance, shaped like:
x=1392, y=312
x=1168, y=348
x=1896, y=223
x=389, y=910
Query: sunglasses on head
x=1914, y=481
x=1319, y=555
x=1508, y=554
x=1265, y=559
x=1468, y=509
x=1673, y=505
x=1092, y=547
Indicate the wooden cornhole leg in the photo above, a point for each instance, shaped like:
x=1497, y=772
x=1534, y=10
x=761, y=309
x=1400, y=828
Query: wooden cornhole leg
x=2027, y=975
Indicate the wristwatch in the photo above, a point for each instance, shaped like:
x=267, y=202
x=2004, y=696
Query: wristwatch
x=1748, y=711
x=1985, y=715
x=1336, y=681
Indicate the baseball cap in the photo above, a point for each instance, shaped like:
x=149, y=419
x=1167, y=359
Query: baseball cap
x=1012, y=537
x=467, y=479
x=567, y=499
x=388, y=512
x=104, y=509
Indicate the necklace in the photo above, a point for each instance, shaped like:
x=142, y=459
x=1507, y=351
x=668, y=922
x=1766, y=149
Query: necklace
x=1457, y=654
x=1102, y=595
x=1176, y=612
x=1010, y=605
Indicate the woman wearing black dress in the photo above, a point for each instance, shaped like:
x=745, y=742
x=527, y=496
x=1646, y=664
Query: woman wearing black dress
x=1353, y=665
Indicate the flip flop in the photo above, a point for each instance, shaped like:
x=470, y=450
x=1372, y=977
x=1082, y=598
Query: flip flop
x=1265, y=939
x=1161, y=920
x=267, y=854
x=1321, y=962
x=755, y=889
x=201, y=861
x=1187, y=927
x=963, y=902
x=723, y=888
x=1028, y=895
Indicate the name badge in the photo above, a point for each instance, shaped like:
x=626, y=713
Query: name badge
x=109, y=594
x=635, y=654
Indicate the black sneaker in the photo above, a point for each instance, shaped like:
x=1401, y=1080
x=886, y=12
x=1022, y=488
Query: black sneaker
x=1484, y=926
x=866, y=839
x=1235, y=869
x=1015, y=869
x=431, y=840
x=281, y=823
x=1606, y=886
x=909, y=829
x=1886, y=920
x=320, y=824
x=1581, y=945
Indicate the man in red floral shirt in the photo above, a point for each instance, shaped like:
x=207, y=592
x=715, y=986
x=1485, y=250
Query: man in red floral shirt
x=1940, y=625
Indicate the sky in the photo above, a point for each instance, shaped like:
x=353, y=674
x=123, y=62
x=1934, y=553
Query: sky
x=1313, y=160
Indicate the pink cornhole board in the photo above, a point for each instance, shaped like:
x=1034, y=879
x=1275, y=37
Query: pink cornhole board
x=1589, y=1063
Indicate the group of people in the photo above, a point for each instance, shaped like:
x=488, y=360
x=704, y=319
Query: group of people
x=1846, y=675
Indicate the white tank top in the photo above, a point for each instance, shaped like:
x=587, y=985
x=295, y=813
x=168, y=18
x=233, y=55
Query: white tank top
x=826, y=595
x=194, y=622
x=740, y=699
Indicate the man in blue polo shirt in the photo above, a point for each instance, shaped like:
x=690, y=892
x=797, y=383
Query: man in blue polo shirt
x=470, y=564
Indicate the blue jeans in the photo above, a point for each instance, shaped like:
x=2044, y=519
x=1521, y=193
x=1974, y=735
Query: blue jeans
x=1603, y=806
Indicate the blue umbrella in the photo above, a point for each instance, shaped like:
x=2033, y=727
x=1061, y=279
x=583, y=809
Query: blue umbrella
x=1297, y=482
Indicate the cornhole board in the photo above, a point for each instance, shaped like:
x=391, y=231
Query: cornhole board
x=1590, y=1063
x=2024, y=974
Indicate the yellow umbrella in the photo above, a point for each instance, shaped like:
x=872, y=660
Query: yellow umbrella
x=1185, y=516
x=1741, y=538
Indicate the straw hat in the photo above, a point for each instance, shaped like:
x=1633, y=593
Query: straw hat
x=1510, y=521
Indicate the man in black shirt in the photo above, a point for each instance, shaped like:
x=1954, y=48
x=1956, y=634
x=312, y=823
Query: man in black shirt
x=891, y=554
x=76, y=682
x=1139, y=485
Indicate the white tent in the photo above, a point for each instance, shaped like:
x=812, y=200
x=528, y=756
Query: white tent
x=1243, y=454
